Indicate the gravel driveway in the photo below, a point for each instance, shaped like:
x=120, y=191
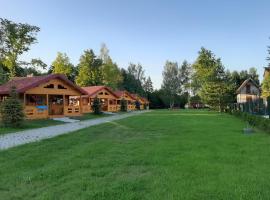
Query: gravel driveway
x=33, y=135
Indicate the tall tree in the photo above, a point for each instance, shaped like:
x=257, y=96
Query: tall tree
x=185, y=72
x=89, y=70
x=210, y=74
x=171, y=83
x=111, y=73
x=16, y=38
x=148, y=86
x=62, y=65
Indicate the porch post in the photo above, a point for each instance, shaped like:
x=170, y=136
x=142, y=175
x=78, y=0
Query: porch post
x=64, y=102
x=24, y=99
x=47, y=102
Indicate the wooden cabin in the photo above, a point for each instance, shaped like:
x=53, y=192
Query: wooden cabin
x=46, y=96
x=126, y=96
x=107, y=97
x=248, y=91
x=144, y=103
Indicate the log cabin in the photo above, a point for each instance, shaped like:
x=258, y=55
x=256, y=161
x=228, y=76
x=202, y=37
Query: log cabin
x=126, y=96
x=107, y=97
x=46, y=96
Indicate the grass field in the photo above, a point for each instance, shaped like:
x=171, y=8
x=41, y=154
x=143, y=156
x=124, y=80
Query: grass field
x=157, y=155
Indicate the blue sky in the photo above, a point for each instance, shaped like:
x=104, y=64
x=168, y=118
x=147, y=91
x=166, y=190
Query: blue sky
x=147, y=31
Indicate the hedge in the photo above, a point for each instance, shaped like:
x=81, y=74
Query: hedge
x=254, y=120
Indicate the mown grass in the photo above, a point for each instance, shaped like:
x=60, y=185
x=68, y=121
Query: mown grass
x=157, y=155
x=29, y=124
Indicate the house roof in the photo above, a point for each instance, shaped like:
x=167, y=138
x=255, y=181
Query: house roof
x=23, y=84
x=120, y=93
x=93, y=90
x=246, y=82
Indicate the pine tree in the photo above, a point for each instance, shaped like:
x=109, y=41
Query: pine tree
x=12, y=114
x=96, y=106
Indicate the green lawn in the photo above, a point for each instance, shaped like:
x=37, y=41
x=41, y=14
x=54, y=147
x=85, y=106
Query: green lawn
x=157, y=155
x=30, y=124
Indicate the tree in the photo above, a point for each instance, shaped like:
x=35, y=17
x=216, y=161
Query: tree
x=148, y=86
x=62, y=65
x=16, y=38
x=111, y=73
x=185, y=71
x=130, y=84
x=171, y=83
x=89, y=70
x=11, y=109
x=210, y=74
x=96, y=106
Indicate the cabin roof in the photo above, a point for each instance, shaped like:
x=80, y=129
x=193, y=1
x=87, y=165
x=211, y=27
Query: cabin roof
x=23, y=84
x=245, y=83
x=120, y=93
x=93, y=90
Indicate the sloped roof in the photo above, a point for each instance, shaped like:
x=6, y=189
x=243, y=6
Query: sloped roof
x=246, y=82
x=120, y=93
x=93, y=90
x=23, y=84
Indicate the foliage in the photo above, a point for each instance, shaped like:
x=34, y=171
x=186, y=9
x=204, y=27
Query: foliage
x=266, y=87
x=96, y=107
x=89, y=69
x=130, y=83
x=171, y=82
x=123, y=105
x=209, y=73
x=111, y=73
x=16, y=38
x=185, y=72
x=62, y=65
x=12, y=113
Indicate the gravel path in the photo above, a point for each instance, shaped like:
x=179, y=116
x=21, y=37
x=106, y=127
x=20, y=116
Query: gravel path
x=33, y=135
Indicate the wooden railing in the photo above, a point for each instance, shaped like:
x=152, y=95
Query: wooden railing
x=72, y=110
x=33, y=112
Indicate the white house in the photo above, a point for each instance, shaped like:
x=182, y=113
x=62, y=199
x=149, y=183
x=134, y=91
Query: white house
x=248, y=91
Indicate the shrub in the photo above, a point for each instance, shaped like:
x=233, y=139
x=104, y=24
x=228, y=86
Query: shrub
x=96, y=106
x=123, y=105
x=12, y=114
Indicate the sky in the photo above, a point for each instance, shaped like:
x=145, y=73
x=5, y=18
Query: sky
x=148, y=32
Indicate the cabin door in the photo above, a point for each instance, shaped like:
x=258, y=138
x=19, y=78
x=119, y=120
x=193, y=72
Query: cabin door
x=56, y=105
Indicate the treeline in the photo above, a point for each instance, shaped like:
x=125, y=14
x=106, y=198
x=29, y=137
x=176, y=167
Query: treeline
x=92, y=69
x=204, y=82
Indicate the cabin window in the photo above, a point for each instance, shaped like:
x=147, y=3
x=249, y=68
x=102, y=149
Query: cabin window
x=248, y=89
x=61, y=87
x=101, y=93
x=50, y=86
x=106, y=93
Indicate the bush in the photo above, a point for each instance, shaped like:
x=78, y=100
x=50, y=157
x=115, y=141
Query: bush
x=96, y=106
x=12, y=113
x=123, y=105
